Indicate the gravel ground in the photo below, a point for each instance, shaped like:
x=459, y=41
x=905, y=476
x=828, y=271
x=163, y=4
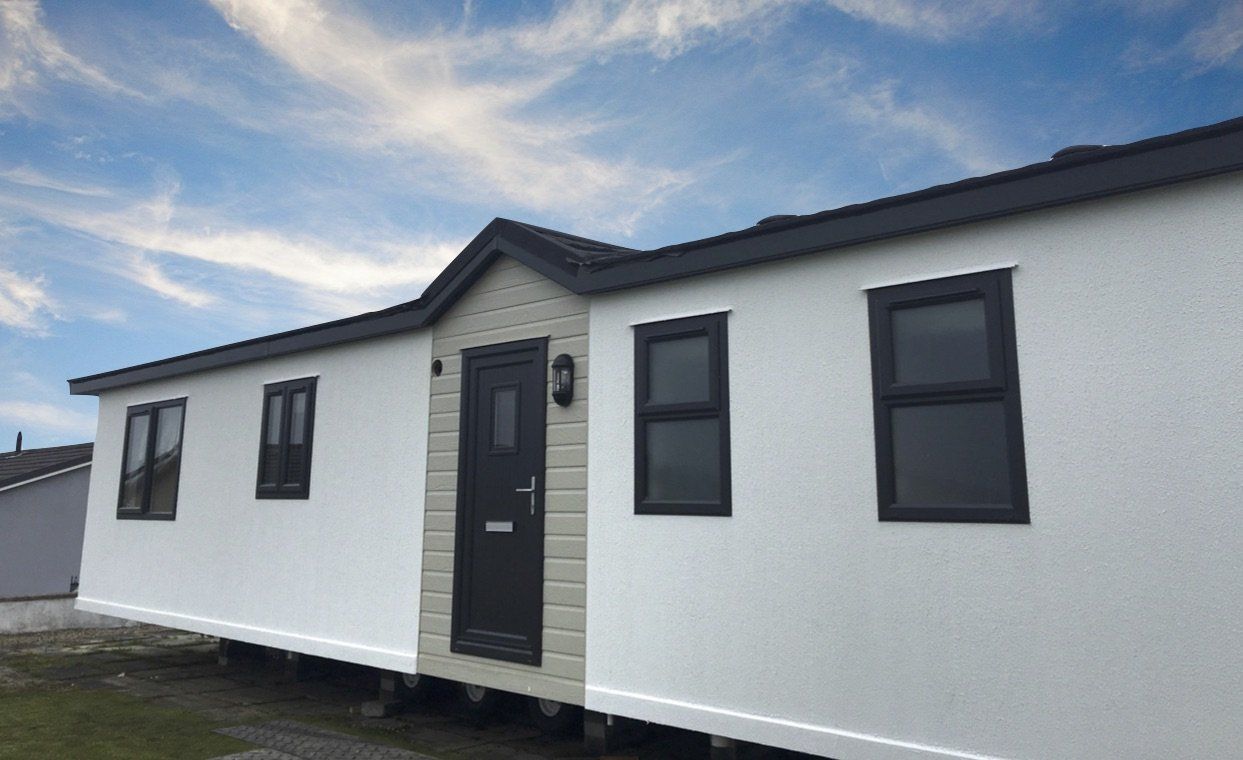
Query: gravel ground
x=59, y=640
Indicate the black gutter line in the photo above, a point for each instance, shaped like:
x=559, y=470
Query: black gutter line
x=1154, y=162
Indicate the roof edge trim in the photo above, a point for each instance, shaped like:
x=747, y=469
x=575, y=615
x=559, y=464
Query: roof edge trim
x=1154, y=162
x=45, y=472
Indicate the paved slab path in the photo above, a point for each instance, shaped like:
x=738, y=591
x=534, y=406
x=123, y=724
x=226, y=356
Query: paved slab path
x=291, y=740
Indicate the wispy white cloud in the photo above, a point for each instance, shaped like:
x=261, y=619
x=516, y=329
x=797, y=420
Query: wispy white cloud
x=1218, y=41
x=939, y=19
x=30, y=55
x=443, y=96
x=157, y=226
x=25, y=304
x=112, y=315
x=881, y=109
x=1215, y=42
x=24, y=175
x=666, y=28
x=150, y=276
x=47, y=416
x=582, y=29
x=901, y=125
x=415, y=95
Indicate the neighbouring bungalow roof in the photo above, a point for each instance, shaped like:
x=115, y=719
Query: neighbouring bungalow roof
x=20, y=466
x=587, y=266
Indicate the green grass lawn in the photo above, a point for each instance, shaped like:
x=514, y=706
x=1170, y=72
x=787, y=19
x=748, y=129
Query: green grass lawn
x=101, y=725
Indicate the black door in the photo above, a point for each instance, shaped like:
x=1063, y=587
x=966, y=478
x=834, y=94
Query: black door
x=498, y=578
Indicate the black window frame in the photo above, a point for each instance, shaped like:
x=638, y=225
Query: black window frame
x=150, y=409
x=716, y=407
x=1002, y=384
x=283, y=489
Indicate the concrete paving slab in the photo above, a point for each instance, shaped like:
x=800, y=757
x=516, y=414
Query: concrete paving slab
x=180, y=672
x=495, y=752
x=258, y=754
x=247, y=696
x=208, y=684
x=78, y=671
x=138, y=687
x=235, y=714
x=440, y=740
x=136, y=665
x=307, y=742
x=192, y=702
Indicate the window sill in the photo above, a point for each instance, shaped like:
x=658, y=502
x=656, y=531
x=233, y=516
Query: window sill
x=959, y=514
x=682, y=508
x=303, y=495
x=166, y=516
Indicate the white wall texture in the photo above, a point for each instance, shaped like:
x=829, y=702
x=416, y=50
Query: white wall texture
x=1111, y=627
x=336, y=575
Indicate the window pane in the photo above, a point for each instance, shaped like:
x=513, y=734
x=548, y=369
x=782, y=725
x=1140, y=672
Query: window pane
x=504, y=418
x=167, y=459
x=134, y=475
x=296, y=462
x=951, y=454
x=940, y=343
x=270, y=467
x=677, y=370
x=683, y=460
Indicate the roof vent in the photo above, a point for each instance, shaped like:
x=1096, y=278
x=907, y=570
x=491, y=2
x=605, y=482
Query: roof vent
x=774, y=218
x=1071, y=150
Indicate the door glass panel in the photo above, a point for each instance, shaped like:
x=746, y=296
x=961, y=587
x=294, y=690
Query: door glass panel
x=134, y=478
x=504, y=418
x=683, y=460
x=951, y=454
x=167, y=459
x=940, y=343
x=677, y=370
x=270, y=468
x=296, y=462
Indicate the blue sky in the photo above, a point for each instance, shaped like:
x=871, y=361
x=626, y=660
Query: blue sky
x=179, y=175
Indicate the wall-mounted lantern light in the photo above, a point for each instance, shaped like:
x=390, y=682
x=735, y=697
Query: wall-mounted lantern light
x=563, y=379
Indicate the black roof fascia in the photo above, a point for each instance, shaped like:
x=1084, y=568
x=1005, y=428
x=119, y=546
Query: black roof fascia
x=1155, y=162
x=535, y=251
x=293, y=341
x=1159, y=161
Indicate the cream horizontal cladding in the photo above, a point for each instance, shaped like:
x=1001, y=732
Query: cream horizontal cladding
x=511, y=302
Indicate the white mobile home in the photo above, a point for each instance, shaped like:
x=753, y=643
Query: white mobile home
x=946, y=475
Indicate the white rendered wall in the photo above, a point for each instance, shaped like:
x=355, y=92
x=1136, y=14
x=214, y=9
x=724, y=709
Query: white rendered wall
x=1111, y=627
x=335, y=575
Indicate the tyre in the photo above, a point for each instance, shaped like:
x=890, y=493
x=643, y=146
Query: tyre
x=552, y=717
x=479, y=702
x=413, y=685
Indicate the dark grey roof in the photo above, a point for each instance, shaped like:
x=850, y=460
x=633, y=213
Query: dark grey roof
x=587, y=266
x=19, y=466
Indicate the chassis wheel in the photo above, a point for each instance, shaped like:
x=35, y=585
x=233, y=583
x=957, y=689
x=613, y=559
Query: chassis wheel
x=413, y=685
x=478, y=701
x=554, y=717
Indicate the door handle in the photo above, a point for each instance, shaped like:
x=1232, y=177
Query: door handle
x=531, y=491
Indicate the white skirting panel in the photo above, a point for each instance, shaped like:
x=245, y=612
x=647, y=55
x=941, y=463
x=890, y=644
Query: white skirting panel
x=767, y=730
x=402, y=662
